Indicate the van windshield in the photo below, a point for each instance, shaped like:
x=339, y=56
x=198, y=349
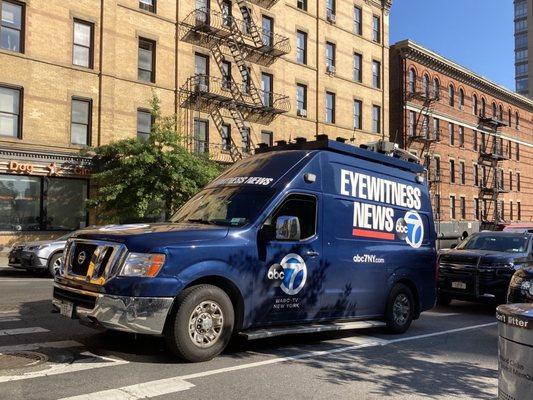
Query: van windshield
x=225, y=205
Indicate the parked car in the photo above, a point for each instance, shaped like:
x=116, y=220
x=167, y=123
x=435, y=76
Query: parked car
x=481, y=266
x=43, y=256
x=318, y=233
x=521, y=287
x=519, y=227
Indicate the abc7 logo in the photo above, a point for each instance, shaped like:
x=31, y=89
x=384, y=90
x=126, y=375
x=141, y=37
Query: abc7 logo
x=401, y=228
x=411, y=229
x=276, y=273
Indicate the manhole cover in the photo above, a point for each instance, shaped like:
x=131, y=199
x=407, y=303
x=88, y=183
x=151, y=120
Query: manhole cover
x=21, y=359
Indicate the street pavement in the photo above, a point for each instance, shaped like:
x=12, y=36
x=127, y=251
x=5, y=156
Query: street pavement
x=449, y=353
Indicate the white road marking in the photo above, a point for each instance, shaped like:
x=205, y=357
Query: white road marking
x=364, y=340
x=44, y=345
x=65, y=368
x=180, y=383
x=22, y=331
x=14, y=312
x=8, y=319
x=24, y=280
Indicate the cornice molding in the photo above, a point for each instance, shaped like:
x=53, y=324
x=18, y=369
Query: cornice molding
x=19, y=154
x=415, y=52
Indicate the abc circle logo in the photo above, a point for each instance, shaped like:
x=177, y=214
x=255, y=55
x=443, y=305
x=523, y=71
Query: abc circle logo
x=415, y=229
x=291, y=271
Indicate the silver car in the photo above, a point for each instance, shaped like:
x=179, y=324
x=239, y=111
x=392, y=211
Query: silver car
x=42, y=256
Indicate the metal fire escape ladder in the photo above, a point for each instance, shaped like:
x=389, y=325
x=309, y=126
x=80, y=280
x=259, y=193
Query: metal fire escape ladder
x=233, y=150
x=251, y=26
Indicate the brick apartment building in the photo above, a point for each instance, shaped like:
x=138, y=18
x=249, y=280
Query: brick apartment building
x=474, y=136
x=76, y=74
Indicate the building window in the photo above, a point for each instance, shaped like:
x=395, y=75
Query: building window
x=452, y=171
x=376, y=119
x=227, y=13
x=476, y=174
x=147, y=5
x=462, y=172
x=463, y=207
x=376, y=29
x=451, y=132
x=461, y=136
x=357, y=114
x=483, y=106
x=301, y=100
x=357, y=67
x=517, y=121
x=267, y=31
x=511, y=211
x=330, y=107
x=144, y=123
x=474, y=105
x=437, y=169
x=330, y=56
x=425, y=86
x=520, y=9
x=500, y=113
x=80, y=125
x=437, y=206
x=476, y=209
x=520, y=41
x=226, y=75
x=494, y=110
x=301, y=47
x=412, y=123
x=201, y=136
x=146, y=61
x=267, y=137
x=412, y=81
x=10, y=112
x=519, y=210
x=330, y=7
x=461, y=99
x=358, y=20
x=452, y=207
x=12, y=26
x=518, y=181
x=510, y=180
x=502, y=210
x=246, y=140
x=226, y=137
x=376, y=74
x=474, y=140
x=82, y=50
x=267, y=88
x=436, y=89
x=521, y=55
x=425, y=126
x=301, y=4
x=246, y=80
x=517, y=151
x=436, y=128
x=451, y=96
x=31, y=203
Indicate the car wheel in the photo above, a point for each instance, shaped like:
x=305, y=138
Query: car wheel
x=400, y=309
x=200, y=324
x=443, y=300
x=54, y=263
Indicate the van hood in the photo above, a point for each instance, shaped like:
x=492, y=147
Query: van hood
x=146, y=237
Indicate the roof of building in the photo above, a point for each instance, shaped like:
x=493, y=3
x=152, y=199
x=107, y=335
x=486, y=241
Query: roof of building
x=451, y=68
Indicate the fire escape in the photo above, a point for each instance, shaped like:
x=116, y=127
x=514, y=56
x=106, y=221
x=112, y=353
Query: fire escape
x=422, y=136
x=491, y=154
x=223, y=34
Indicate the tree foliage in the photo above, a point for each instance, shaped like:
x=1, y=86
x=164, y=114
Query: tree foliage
x=137, y=179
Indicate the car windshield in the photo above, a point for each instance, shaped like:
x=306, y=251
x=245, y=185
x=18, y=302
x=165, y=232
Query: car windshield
x=225, y=205
x=502, y=243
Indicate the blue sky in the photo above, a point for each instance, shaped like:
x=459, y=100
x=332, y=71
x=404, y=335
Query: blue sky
x=478, y=34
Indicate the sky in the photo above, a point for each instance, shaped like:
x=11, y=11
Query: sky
x=478, y=34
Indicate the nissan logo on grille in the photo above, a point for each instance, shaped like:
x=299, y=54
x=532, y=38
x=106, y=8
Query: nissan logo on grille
x=82, y=256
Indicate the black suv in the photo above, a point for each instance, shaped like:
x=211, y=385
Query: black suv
x=481, y=266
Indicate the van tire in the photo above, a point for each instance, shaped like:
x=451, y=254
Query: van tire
x=194, y=307
x=400, y=309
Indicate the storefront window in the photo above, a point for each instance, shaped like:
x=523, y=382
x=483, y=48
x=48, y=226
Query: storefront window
x=20, y=198
x=64, y=203
x=30, y=203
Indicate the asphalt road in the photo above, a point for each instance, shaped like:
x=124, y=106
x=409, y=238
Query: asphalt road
x=449, y=353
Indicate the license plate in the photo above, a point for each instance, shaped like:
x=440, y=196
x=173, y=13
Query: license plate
x=458, y=285
x=66, y=309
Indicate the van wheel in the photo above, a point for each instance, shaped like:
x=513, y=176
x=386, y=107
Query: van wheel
x=200, y=324
x=54, y=263
x=400, y=309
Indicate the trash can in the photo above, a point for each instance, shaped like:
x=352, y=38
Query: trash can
x=515, y=351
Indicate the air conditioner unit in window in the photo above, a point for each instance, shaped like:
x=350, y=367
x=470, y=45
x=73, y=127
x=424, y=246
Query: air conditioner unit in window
x=301, y=113
x=330, y=69
x=331, y=17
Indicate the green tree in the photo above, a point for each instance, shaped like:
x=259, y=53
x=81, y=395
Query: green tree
x=137, y=179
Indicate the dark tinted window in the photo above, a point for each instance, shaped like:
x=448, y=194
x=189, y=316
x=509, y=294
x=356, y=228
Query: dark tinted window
x=503, y=243
x=303, y=207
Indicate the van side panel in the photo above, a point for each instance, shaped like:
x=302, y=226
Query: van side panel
x=378, y=229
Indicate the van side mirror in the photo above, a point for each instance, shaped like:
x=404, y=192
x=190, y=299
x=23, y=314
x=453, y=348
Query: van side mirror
x=287, y=228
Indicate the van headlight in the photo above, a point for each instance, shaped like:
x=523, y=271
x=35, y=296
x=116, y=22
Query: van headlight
x=142, y=264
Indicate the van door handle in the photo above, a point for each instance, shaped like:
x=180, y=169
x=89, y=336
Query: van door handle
x=312, y=253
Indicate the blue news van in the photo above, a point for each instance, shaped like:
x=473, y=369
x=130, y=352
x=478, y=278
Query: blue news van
x=301, y=237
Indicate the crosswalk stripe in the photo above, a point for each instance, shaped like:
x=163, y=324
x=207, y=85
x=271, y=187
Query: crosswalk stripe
x=65, y=368
x=22, y=331
x=44, y=345
x=12, y=312
x=9, y=319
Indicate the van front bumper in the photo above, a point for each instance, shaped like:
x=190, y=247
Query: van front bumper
x=145, y=315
